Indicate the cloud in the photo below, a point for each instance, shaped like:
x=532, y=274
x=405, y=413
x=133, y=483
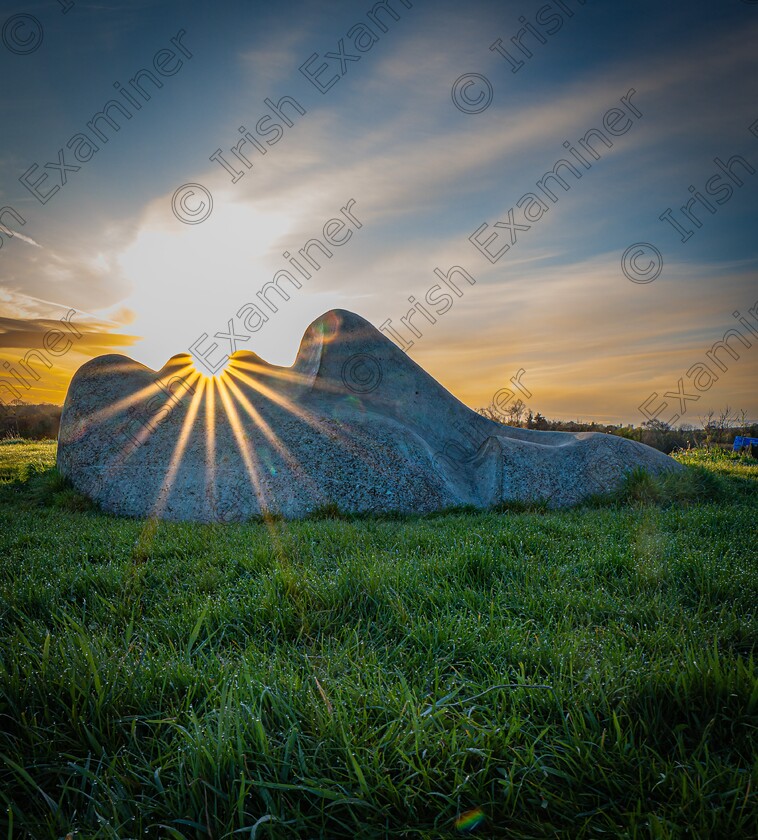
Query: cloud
x=23, y=334
x=78, y=277
x=40, y=355
x=23, y=238
x=593, y=343
x=276, y=59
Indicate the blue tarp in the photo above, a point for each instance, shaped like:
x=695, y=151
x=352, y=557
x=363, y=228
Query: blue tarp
x=741, y=442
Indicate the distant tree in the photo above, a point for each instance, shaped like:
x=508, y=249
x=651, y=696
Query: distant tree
x=540, y=422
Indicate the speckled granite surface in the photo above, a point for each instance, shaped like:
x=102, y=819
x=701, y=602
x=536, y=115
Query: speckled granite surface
x=354, y=423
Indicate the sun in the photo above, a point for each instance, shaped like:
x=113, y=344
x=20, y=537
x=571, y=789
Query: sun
x=186, y=280
x=201, y=369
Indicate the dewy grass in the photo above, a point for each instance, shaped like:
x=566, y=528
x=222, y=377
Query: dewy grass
x=576, y=673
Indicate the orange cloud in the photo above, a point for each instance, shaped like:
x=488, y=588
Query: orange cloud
x=38, y=356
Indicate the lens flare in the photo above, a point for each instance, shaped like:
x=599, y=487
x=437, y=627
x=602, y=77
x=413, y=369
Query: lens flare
x=470, y=820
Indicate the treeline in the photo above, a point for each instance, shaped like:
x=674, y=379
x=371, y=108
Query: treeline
x=29, y=421
x=715, y=429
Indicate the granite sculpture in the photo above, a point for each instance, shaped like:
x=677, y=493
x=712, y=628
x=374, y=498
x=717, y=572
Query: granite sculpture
x=354, y=423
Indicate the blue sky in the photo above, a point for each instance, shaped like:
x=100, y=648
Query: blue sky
x=423, y=174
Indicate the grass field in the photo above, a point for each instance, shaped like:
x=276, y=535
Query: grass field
x=584, y=673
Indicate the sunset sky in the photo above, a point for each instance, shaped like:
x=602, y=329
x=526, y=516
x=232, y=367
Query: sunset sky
x=424, y=176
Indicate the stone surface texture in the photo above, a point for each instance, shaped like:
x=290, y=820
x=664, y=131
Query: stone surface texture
x=353, y=423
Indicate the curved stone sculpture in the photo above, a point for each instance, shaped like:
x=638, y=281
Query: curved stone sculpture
x=353, y=423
